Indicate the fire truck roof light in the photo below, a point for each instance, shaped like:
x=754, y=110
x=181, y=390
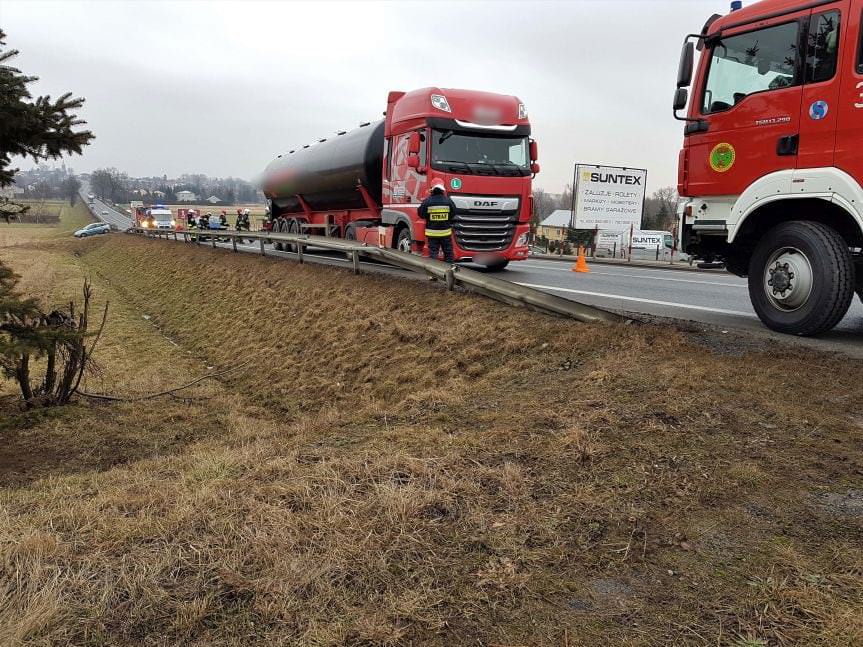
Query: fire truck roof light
x=522, y=111
x=439, y=101
x=736, y=5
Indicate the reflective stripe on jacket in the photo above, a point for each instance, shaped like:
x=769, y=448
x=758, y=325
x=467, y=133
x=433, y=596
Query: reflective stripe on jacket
x=437, y=211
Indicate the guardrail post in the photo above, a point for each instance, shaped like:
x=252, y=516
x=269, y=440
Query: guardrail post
x=300, y=251
x=185, y=237
x=214, y=242
x=263, y=253
x=450, y=280
x=355, y=260
x=234, y=242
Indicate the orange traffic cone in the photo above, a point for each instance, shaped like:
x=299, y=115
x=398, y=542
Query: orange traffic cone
x=581, y=262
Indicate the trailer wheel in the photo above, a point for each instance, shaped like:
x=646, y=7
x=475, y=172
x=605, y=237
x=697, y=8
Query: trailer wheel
x=404, y=242
x=279, y=228
x=293, y=227
x=801, y=278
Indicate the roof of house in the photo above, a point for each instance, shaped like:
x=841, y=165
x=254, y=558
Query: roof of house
x=558, y=218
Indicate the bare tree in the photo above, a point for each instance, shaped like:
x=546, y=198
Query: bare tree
x=60, y=341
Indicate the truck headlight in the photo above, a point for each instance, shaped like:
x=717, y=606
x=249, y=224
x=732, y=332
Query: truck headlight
x=173, y=224
x=522, y=240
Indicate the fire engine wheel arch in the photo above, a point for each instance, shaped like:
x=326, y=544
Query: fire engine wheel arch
x=801, y=278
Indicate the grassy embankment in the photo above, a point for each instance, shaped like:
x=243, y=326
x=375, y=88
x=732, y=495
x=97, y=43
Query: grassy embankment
x=399, y=465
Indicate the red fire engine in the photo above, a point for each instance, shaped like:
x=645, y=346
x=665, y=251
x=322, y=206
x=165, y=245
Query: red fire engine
x=366, y=184
x=772, y=158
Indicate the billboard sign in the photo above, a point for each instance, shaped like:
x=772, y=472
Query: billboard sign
x=648, y=240
x=608, y=197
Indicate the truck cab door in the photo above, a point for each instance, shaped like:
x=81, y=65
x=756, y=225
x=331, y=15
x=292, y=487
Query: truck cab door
x=747, y=106
x=819, y=111
x=849, y=109
x=408, y=185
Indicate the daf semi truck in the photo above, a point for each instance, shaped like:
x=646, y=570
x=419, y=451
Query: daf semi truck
x=772, y=157
x=366, y=184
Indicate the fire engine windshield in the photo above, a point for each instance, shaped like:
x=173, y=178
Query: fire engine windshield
x=493, y=151
x=760, y=60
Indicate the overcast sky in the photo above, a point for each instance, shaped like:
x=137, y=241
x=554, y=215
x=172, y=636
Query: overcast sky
x=222, y=87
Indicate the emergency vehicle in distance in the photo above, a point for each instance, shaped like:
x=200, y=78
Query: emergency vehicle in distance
x=772, y=158
x=367, y=184
x=155, y=217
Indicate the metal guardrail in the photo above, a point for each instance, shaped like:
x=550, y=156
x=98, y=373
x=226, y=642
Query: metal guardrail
x=451, y=275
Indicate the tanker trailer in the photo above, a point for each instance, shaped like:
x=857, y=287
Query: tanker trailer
x=370, y=180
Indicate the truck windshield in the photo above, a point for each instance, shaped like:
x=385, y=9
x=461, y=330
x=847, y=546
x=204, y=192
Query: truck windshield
x=760, y=60
x=449, y=146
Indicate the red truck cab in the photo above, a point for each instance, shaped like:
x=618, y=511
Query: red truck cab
x=367, y=184
x=478, y=144
x=772, y=158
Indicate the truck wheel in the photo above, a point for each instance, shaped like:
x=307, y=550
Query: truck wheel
x=496, y=267
x=292, y=228
x=801, y=278
x=279, y=228
x=404, y=242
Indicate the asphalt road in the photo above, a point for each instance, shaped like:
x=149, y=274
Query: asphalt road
x=715, y=298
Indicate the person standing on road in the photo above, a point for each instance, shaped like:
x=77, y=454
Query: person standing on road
x=438, y=210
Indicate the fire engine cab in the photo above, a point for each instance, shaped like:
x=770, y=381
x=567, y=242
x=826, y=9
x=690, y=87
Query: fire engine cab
x=772, y=158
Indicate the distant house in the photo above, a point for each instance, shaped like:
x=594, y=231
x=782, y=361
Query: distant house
x=159, y=194
x=214, y=200
x=186, y=196
x=554, y=226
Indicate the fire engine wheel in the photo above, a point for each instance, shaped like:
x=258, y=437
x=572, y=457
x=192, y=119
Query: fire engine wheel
x=404, y=242
x=801, y=278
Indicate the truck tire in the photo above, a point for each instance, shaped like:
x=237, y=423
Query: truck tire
x=403, y=241
x=279, y=228
x=496, y=267
x=293, y=227
x=801, y=278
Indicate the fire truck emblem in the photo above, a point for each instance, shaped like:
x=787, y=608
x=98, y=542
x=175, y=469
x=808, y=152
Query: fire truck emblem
x=455, y=184
x=818, y=110
x=722, y=157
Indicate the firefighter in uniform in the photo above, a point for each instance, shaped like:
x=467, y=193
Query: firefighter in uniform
x=438, y=210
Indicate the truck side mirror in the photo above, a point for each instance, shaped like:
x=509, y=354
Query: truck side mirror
x=684, y=69
x=414, y=144
x=681, y=96
x=534, y=168
x=413, y=160
x=534, y=155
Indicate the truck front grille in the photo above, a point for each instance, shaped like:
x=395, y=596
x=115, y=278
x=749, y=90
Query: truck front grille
x=484, y=230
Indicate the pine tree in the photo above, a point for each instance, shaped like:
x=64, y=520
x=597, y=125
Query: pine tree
x=39, y=128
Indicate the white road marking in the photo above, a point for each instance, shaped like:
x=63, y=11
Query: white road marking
x=637, y=299
x=639, y=276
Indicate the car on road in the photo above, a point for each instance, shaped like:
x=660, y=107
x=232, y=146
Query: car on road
x=105, y=212
x=93, y=229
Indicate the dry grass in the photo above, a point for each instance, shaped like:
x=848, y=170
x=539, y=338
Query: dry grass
x=71, y=218
x=406, y=466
